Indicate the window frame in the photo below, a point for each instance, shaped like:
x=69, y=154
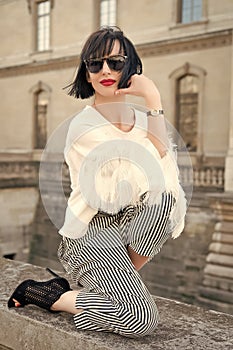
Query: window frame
x=176, y=14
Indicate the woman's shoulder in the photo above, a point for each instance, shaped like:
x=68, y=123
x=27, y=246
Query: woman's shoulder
x=83, y=121
x=85, y=116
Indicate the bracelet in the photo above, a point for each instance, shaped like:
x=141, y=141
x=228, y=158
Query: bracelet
x=155, y=112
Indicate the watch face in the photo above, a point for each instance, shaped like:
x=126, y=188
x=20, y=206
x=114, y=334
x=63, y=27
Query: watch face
x=153, y=113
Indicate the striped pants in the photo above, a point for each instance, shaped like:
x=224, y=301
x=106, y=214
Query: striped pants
x=114, y=298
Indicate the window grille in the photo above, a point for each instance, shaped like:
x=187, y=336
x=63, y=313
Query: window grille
x=190, y=11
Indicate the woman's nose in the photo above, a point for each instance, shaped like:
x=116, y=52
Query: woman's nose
x=106, y=68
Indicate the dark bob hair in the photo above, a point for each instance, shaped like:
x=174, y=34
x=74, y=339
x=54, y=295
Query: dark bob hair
x=100, y=44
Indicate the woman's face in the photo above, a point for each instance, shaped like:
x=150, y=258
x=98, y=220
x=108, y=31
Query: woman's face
x=106, y=81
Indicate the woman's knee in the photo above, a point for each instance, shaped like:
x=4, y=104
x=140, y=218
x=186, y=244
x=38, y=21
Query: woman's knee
x=138, y=260
x=145, y=322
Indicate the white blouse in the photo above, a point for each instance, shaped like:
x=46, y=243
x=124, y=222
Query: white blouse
x=110, y=169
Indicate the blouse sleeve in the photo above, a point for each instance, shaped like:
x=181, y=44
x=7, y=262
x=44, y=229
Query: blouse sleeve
x=78, y=212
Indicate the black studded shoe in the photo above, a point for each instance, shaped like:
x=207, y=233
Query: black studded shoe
x=42, y=294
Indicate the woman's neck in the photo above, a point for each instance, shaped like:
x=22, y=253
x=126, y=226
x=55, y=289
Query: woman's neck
x=99, y=99
x=117, y=113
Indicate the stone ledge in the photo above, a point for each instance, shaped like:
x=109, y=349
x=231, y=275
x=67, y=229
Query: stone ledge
x=182, y=326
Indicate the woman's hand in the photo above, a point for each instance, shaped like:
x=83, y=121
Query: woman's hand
x=144, y=87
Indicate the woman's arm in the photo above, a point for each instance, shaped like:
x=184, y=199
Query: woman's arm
x=144, y=87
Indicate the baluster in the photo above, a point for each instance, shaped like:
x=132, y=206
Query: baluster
x=214, y=177
x=220, y=177
x=208, y=177
x=202, y=177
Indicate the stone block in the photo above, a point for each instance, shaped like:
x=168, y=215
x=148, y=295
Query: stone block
x=217, y=294
x=221, y=259
x=218, y=282
x=223, y=237
x=216, y=270
x=221, y=248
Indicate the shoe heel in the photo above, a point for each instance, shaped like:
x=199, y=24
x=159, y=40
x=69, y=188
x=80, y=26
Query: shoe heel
x=52, y=272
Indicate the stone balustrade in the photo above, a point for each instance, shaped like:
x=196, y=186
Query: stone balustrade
x=24, y=169
x=208, y=177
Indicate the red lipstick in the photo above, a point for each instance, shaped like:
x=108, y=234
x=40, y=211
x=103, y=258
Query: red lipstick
x=107, y=82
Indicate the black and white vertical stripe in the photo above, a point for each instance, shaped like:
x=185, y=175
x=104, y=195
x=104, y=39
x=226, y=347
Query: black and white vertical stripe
x=114, y=298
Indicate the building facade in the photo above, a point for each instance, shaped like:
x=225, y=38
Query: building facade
x=187, y=49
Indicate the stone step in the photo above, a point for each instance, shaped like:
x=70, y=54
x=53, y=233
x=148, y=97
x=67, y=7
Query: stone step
x=224, y=226
x=221, y=248
x=216, y=270
x=217, y=294
x=222, y=237
x=221, y=259
x=218, y=282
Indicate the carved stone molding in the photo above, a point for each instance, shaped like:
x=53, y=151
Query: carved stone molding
x=163, y=47
x=17, y=174
x=189, y=43
x=40, y=66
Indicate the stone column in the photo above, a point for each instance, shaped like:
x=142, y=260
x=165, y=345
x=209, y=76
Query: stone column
x=216, y=291
x=229, y=158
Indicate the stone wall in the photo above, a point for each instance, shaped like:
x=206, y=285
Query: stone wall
x=19, y=196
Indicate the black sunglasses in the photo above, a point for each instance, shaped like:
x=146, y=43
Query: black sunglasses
x=115, y=62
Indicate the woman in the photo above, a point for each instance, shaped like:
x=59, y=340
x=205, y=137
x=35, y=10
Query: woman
x=111, y=231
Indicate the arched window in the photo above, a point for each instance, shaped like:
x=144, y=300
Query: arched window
x=41, y=94
x=187, y=89
x=187, y=110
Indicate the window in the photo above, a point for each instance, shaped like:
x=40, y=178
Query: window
x=43, y=25
x=41, y=11
x=107, y=12
x=41, y=105
x=40, y=96
x=187, y=110
x=190, y=11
